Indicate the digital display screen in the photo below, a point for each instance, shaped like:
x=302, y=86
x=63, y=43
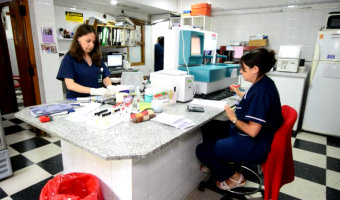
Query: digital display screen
x=335, y=22
x=195, y=46
x=115, y=60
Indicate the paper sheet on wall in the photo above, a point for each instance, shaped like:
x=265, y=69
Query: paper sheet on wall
x=238, y=52
x=331, y=70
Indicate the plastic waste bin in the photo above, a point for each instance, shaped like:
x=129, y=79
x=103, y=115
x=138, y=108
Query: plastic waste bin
x=72, y=186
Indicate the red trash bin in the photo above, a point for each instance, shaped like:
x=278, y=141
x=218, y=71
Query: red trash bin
x=72, y=186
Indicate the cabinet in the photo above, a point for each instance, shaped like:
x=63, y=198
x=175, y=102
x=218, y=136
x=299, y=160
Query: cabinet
x=197, y=22
x=292, y=90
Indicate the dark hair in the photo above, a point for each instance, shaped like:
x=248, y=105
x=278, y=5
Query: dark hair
x=260, y=57
x=161, y=40
x=78, y=53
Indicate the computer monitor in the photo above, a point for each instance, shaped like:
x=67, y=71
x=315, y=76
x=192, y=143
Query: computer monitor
x=114, y=60
x=191, y=45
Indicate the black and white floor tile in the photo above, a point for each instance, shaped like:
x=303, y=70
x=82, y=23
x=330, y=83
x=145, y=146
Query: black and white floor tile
x=35, y=160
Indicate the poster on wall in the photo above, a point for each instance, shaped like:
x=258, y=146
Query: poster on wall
x=47, y=34
x=49, y=48
x=74, y=17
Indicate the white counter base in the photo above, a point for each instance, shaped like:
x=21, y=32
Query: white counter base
x=170, y=173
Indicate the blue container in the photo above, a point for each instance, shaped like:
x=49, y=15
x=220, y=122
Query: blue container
x=148, y=98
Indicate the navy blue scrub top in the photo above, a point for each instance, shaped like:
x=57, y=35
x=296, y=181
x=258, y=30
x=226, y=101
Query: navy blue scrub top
x=82, y=74
x=260, y=104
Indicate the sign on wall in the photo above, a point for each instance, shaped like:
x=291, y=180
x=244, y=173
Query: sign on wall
x=74, y=17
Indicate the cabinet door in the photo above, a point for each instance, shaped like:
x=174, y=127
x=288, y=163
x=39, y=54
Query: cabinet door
x=291, y=92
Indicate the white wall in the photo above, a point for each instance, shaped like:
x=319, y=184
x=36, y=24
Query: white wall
x=10, y=43
x=294, y=27
x=42, y=14
x=170, y=5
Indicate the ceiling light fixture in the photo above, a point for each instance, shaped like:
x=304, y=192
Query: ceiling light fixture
x=114, y=2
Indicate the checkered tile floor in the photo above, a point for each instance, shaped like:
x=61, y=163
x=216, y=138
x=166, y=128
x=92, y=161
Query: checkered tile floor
x=35, y=160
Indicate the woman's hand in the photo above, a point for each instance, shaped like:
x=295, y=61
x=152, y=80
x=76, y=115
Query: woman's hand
x=233, y=88
x=230, y=113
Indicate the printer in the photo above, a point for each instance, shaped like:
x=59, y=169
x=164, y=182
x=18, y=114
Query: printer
x=288, y=58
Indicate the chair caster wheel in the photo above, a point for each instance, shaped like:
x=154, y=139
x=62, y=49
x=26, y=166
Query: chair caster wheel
x=201, y=187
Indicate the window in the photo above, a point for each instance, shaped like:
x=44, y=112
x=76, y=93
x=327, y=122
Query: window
x=137, y=53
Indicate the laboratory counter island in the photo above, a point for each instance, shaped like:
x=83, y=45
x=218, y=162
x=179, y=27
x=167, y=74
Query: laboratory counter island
x=147, y=160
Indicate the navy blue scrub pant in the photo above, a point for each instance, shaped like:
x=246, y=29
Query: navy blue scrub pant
x=218, y=149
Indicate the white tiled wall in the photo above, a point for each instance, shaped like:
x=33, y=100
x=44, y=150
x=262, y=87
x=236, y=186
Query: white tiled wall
x=247, y=4
x=294, y=27
x=42, y=14
x=170, y=173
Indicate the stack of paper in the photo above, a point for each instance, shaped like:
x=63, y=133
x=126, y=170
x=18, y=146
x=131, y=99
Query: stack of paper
x=208, y=103
x=84, y=114
x=177, y=121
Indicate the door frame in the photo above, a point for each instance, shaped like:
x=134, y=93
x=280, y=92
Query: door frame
x=24, y=47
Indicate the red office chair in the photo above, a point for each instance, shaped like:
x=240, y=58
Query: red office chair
x=279, y=166
x=277, y=170
x=16, y=82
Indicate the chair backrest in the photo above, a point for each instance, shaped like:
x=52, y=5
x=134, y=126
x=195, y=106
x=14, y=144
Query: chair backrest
x=132, y=78
x=279, y=166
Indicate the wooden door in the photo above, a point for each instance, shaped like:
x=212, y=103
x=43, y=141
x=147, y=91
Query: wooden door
x=8, y=101
x=23, y=42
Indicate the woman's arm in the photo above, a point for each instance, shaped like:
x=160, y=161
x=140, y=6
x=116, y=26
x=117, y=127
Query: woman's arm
x=107, y=81
x=236, y=90
x=71, y=85
x=251, y=128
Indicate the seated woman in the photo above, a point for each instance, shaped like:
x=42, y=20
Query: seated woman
x=247, y=137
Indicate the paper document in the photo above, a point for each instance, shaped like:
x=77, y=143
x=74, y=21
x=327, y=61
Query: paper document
x=50, y=109
x=84, y=114
x=177, y=121
x=208, y=103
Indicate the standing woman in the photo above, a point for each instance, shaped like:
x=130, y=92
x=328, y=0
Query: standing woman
x=82, y=68
x=247, y=137
x=159, y=54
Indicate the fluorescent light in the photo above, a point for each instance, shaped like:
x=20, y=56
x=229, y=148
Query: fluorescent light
x=114, y=2
x=73, y=9
x=291, y=6
x=158, y=20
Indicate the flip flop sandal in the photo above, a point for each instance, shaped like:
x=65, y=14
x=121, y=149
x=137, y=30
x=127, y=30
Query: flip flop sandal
x=224, y=186
x=204, y=169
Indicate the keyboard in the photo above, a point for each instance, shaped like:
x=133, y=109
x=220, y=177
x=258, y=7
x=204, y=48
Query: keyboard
x=218, y=95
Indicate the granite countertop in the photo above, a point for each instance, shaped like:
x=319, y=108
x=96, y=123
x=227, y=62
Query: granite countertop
x=126, y=140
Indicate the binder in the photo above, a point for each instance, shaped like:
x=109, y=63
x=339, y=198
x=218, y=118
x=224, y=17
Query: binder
x=115, y=35
x=105, y=31
x=99, y=32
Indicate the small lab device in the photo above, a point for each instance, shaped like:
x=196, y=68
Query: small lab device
x=183, y=84
x=114, y=60
x=288, y=58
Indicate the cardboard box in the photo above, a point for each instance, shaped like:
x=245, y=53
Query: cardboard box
x=260, y=43
x=201, y=9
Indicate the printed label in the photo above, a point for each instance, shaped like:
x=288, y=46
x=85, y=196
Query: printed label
x=321, y=36
x=213, y=36
x=335, y=36
x=330, y=56
x=100, y=78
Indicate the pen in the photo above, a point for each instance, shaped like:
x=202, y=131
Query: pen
x=62, y=113
x=79, y=104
